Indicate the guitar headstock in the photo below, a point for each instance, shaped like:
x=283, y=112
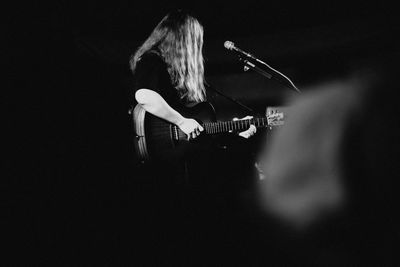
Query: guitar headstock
x=275, y=117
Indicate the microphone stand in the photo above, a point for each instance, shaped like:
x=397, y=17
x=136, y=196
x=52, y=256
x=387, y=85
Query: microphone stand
x=249, y=65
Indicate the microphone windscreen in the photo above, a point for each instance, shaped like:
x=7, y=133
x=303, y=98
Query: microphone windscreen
x=229, y=45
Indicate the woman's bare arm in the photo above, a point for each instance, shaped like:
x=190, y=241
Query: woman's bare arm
x=155, y=104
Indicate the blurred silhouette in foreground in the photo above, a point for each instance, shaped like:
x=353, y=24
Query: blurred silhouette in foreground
x=329, y=175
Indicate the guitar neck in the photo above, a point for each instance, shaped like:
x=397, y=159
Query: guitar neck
x=233, y=126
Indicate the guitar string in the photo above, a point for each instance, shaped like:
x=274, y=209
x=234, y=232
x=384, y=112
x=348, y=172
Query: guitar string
x=216, y=127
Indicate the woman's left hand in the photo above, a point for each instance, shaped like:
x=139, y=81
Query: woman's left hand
x=249, y=132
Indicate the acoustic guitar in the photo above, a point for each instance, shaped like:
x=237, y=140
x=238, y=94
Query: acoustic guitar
x=156, y=138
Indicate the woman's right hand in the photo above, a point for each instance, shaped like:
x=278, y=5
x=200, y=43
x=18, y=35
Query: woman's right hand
x=190, y=127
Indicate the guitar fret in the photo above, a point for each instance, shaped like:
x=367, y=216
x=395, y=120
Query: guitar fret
x=238, y=125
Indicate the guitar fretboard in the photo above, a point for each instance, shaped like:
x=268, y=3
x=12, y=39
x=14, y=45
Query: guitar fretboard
x=233, y=126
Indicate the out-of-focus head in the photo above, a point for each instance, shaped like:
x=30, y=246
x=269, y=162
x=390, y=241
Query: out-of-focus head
x=336, y=152
x=179, y=40
x=302, y=164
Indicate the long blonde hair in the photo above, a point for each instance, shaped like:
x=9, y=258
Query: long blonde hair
x=179, y=40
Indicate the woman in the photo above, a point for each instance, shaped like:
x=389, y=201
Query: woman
x=168, y=76
x=169, y=71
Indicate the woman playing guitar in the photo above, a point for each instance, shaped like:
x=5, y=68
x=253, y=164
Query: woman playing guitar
x=169, y=72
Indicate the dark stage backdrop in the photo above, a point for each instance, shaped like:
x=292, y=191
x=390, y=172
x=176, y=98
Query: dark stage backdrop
x=311, y=43
x=72, y=169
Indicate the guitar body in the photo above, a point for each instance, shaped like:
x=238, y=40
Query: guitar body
x=157, y=139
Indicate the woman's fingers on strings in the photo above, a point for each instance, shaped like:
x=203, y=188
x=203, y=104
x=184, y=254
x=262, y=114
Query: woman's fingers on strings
x=247, y=118
x=249, y=132
x=244, y=118
x=253, y=128
x=244, y=134
x=191, y=135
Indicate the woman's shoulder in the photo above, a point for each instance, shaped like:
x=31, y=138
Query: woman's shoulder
x=151, y=57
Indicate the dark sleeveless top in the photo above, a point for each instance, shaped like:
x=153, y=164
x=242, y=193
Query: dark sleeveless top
x=152, y=73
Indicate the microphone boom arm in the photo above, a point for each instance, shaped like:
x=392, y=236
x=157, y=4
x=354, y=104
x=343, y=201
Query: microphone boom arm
x=250, y=65
x=245, y=57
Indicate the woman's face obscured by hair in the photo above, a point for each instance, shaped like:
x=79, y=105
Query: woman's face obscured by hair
x=182, y=50
x=183, y=27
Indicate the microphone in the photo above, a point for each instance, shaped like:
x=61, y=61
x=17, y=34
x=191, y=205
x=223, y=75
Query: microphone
x=231, y=46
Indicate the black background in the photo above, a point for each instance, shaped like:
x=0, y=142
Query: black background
x=72, y=173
